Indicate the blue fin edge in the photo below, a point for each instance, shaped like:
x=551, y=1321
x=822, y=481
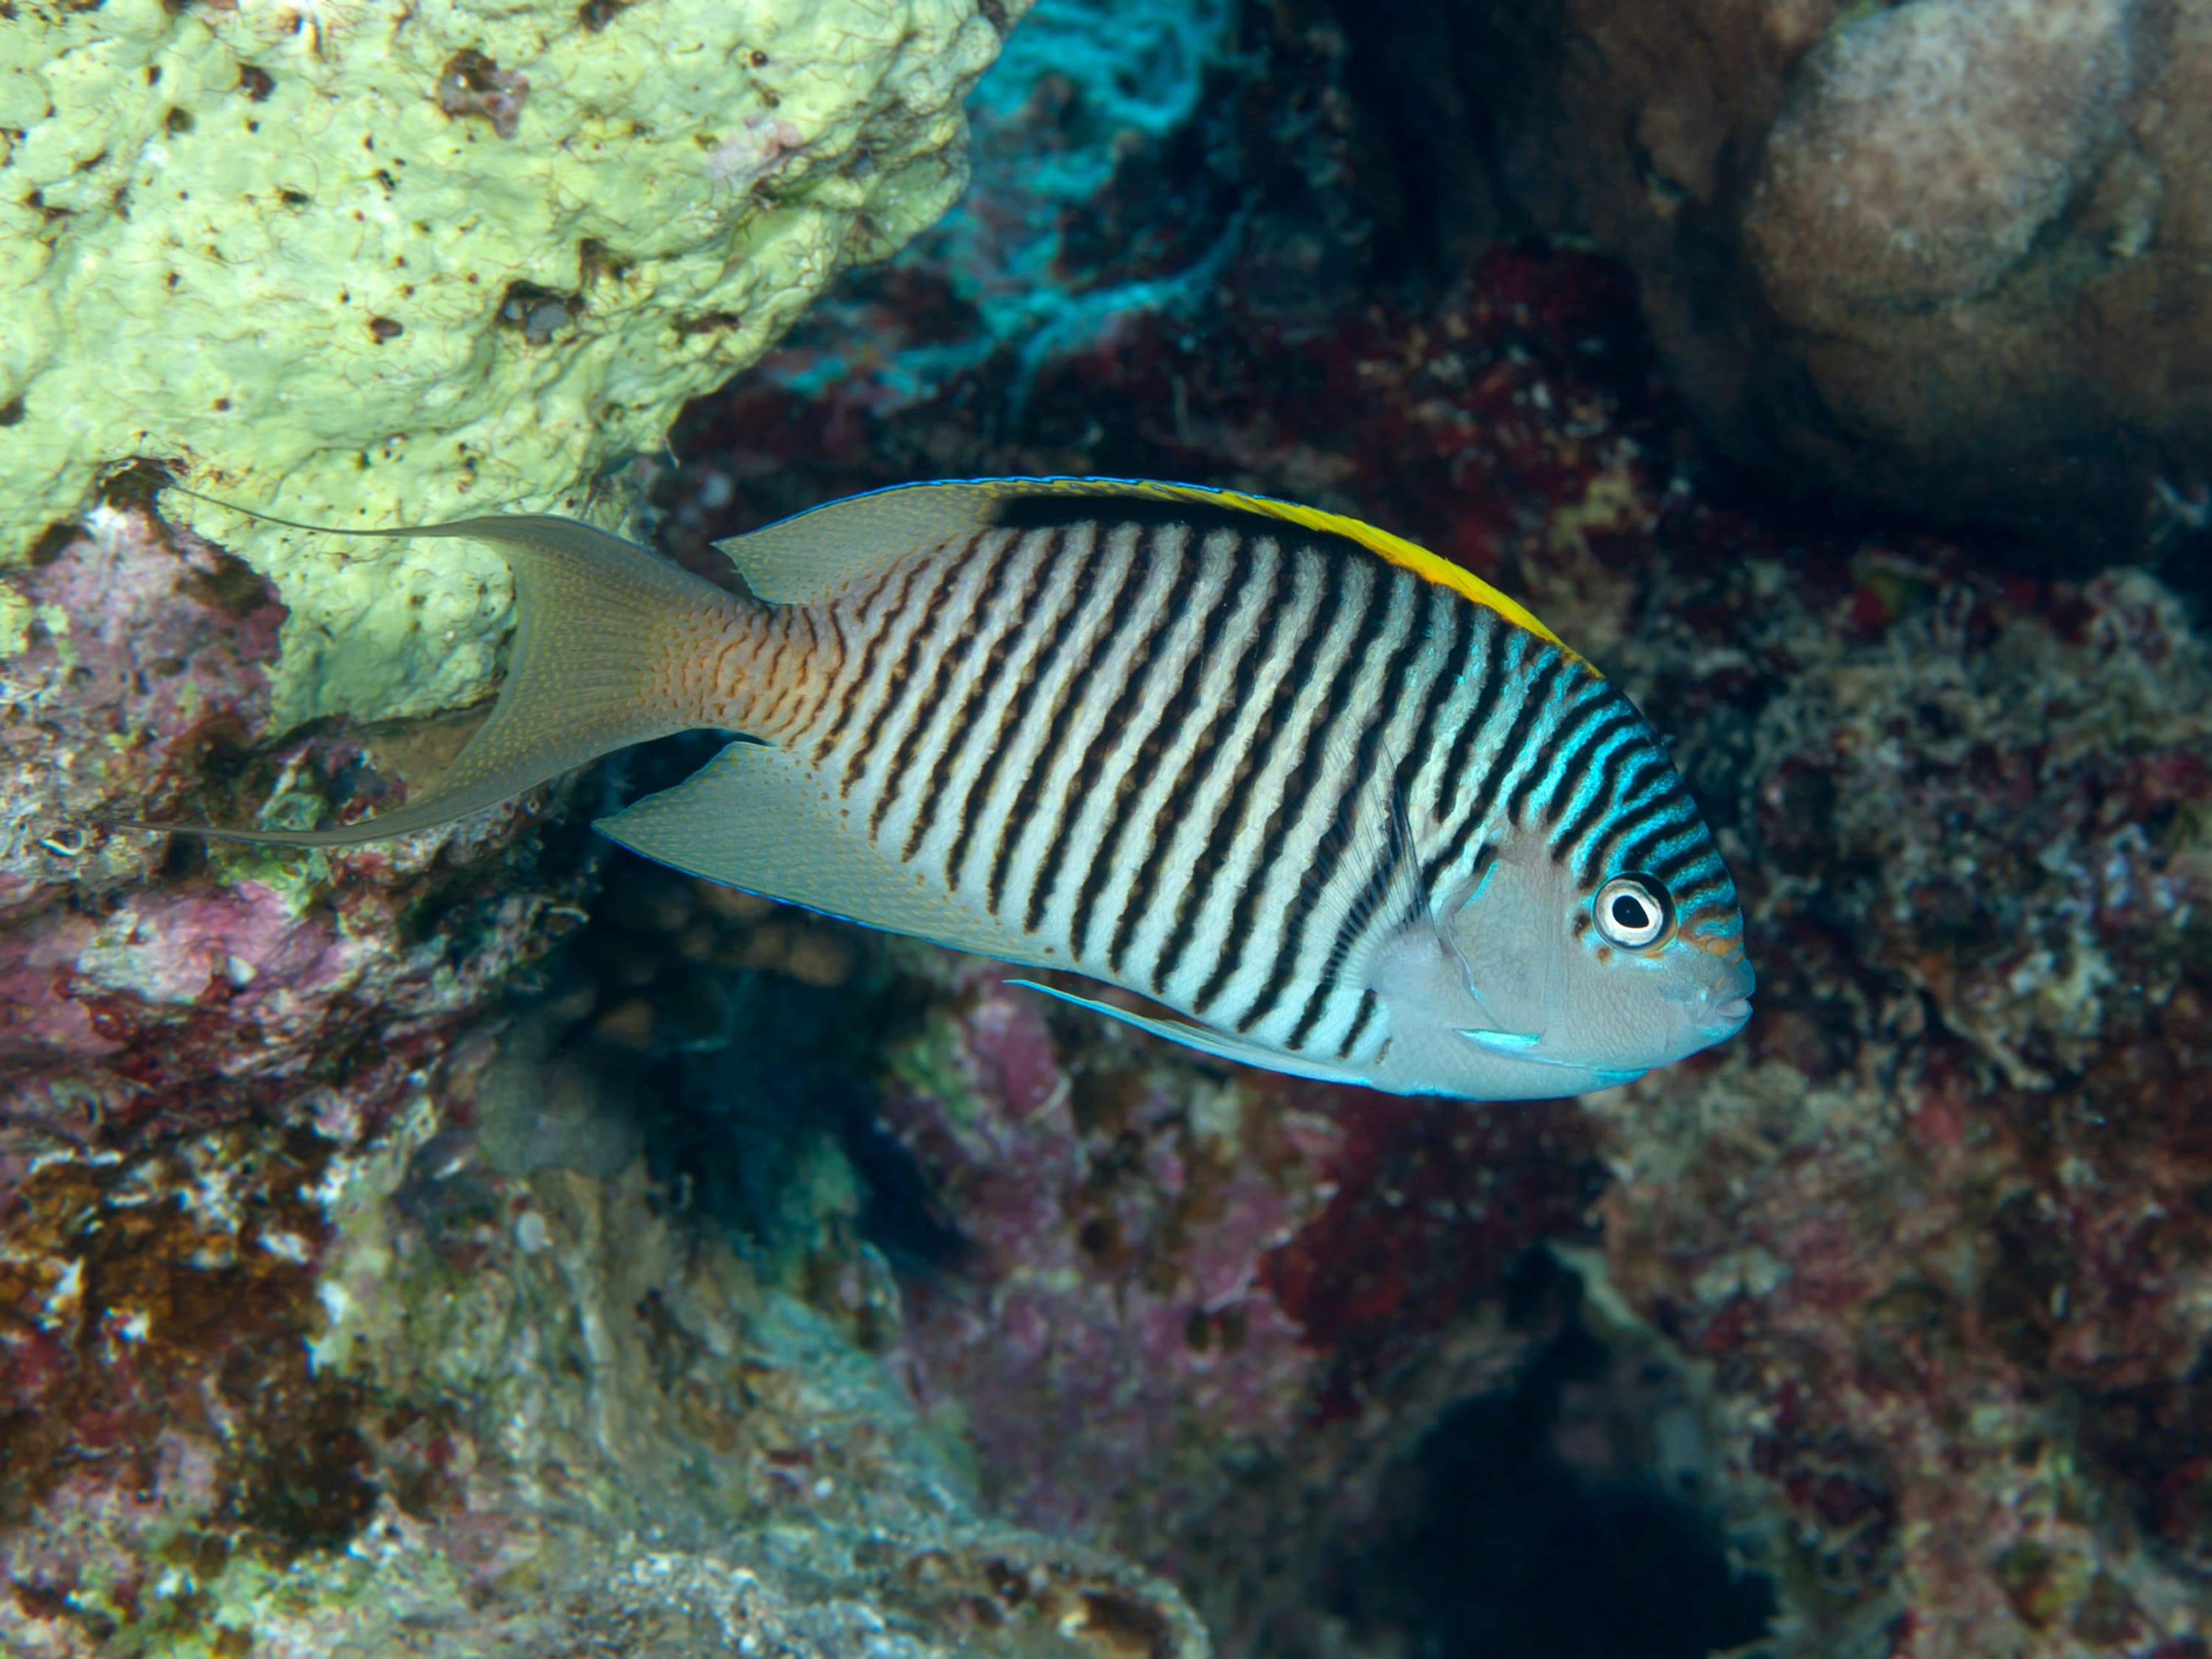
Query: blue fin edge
x=1206, y=1041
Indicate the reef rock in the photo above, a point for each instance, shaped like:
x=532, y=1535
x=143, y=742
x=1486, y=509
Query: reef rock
x=362, y=263
x=1944, y=257
x=273, y=1391
x=1938, y=1226
x=147, y=987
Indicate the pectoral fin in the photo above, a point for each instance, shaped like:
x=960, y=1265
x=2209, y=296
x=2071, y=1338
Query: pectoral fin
x=1516, y=1043
x=1520, y=1045
x=1207, y=1039
x=1504, y=932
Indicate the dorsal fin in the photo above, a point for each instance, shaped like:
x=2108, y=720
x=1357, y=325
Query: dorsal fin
x=812, y=554
x=1395, y=550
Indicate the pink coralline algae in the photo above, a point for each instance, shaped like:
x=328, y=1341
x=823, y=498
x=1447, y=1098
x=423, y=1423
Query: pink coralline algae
x=217, y=979
x=187, y=1037
x=1175, y=1274
x=143, y=648
x=1099, y=1345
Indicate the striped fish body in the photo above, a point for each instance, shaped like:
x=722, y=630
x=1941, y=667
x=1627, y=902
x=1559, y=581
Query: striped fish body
x=1157, y=754
x=1346, y=810
x=1238, y=765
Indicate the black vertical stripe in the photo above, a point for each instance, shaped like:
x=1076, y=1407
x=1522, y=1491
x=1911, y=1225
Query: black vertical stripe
x=1567, y=731
x=898, y=682
x=1715, y=884
x=1678, y=865
x=1533, y=699
x=1229, y=949
x=993, y=612
x=1099, y=862
x=937, y=679
x=1073, y=699
x=1454, y=613
x=1534, y=702
x=1667, y=797
x=1637, y=851
x=1575, y=767
x=1098, y=557
x=1369, y=1002
x=1362, y=783
x=1368, y=901
x=1212, y=863
x=864, y=676
x=1300, y=786
x=1174, y=717
x=1036, y=670
x=1625, y=770
x=1503, y=648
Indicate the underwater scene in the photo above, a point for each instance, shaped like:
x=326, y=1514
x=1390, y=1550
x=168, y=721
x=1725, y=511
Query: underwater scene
x=1106, y=829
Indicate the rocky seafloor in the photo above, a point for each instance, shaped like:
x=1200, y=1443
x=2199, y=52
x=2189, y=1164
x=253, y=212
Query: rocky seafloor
x=492, y=1243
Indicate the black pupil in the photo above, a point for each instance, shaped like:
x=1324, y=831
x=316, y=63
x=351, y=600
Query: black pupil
x=1629, y=913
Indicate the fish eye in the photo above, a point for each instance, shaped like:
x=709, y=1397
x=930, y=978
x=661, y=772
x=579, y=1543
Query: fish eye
x=1632, y=910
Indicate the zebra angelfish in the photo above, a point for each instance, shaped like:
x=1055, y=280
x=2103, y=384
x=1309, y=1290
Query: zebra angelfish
x=1345, y=808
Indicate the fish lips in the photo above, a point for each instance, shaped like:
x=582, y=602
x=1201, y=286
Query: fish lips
x=1725, y=1004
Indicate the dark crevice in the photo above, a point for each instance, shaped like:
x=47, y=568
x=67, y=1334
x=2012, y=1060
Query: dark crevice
x=734, y=1079
x=1562, y=1517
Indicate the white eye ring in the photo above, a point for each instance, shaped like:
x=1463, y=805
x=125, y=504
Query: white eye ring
x=1631, y=911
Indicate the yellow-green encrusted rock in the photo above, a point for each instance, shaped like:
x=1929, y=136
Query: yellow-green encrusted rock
x=372, y=262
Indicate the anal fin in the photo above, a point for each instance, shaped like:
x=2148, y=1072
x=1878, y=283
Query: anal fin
x=756, y=818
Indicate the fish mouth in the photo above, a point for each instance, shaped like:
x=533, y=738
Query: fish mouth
x=1728, y=1004
x=1722, y=1023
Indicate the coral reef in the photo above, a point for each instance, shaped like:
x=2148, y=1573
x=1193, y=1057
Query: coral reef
x=1183, y=1296
x=271, y=1392
x=366, y=263
x=1939, y=1226
x=1853, y=224
x=1159, y=1303
x=741, y=1278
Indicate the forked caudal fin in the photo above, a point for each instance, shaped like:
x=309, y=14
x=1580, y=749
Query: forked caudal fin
x=602, y=630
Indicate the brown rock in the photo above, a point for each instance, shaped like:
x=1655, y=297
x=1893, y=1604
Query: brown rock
x=1949, y=256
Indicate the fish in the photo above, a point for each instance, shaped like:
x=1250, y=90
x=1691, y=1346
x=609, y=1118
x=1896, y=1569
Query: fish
x=1334, y=804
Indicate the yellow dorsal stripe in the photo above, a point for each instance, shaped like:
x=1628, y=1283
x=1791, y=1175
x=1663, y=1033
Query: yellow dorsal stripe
x=1396, y=549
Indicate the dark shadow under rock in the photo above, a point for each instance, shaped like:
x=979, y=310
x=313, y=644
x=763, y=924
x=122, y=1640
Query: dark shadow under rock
x=1563, y=1516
